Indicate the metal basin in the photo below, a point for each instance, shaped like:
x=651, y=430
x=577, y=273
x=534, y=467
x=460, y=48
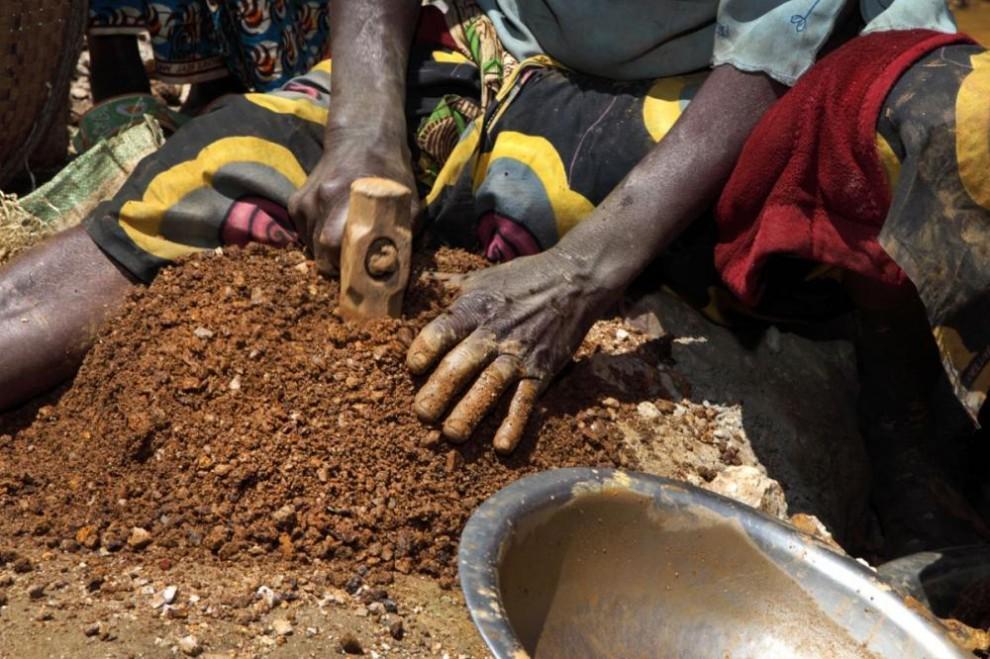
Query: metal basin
x=953, y=582
x=602, y=563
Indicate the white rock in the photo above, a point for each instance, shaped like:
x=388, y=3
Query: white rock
x=752, y=487
x=648, y=410
x=169, y=594
x=268, y=595
x=282, y=627
x=190, y=646
x=203, y=333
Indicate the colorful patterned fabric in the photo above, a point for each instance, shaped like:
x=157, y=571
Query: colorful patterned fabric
x=810, y=185
x=115, y=115
x=512, y=184
x=268, y=42
x=929, y=217
x=264, y=43
x=937, y=124
x=550, y=147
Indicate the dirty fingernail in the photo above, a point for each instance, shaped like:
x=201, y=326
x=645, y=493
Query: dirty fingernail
x=456, y=431
x=417, y=362
x=426, y=409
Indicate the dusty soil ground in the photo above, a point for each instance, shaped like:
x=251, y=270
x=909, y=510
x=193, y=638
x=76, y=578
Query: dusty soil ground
x=229, y=436
x=115, y=606
x=229, y=410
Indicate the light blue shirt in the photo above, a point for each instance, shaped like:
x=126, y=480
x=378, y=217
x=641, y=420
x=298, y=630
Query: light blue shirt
x=644, y=39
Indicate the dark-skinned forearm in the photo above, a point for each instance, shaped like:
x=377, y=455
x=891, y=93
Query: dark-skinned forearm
x=371, y=42
x=678, y=180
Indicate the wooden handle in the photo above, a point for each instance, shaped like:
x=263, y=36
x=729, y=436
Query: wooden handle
x=376, y=249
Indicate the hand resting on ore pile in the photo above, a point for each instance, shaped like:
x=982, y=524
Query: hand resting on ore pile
x=515, y=325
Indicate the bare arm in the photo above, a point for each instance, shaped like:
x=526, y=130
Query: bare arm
x=678, y=180
x=519, y=323
x=366, y=128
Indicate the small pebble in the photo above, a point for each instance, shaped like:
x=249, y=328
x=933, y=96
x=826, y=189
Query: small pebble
x=138, y=539
x=190, y=646
x=353, y=584
x=431, y=439
x=36, y=592
x=647, y=410
x=397, y=629
x=285, y=517
x=169, y=594
x=88, y=537
x=454, y=461
x=282, y=627
x=267, y=595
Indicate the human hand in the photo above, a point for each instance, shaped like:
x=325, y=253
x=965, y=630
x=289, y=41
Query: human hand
x=319, y=207
x=513, y=325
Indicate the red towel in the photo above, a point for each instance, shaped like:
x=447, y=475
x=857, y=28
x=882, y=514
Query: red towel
x=809, y=182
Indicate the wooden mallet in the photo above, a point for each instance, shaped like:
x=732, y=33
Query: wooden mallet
x=376, y=249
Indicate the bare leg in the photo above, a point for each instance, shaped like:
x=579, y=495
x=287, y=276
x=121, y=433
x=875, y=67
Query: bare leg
x=53, y=298
x=116, y=66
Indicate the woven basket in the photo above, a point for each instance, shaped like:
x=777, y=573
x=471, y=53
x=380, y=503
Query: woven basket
x=40, y=42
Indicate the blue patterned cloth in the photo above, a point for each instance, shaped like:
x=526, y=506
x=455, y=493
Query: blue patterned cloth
x=264, y=43
x=645, y=39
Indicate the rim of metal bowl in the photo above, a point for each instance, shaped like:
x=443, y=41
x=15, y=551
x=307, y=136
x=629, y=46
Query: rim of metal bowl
x=490, y=527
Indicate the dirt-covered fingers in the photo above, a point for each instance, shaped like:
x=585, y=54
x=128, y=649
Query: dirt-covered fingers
x=520, y=409
x=437, y=339
x=454, y=372
x=483, y=395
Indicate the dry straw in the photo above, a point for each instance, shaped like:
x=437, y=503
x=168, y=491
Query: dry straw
x=18, y=228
